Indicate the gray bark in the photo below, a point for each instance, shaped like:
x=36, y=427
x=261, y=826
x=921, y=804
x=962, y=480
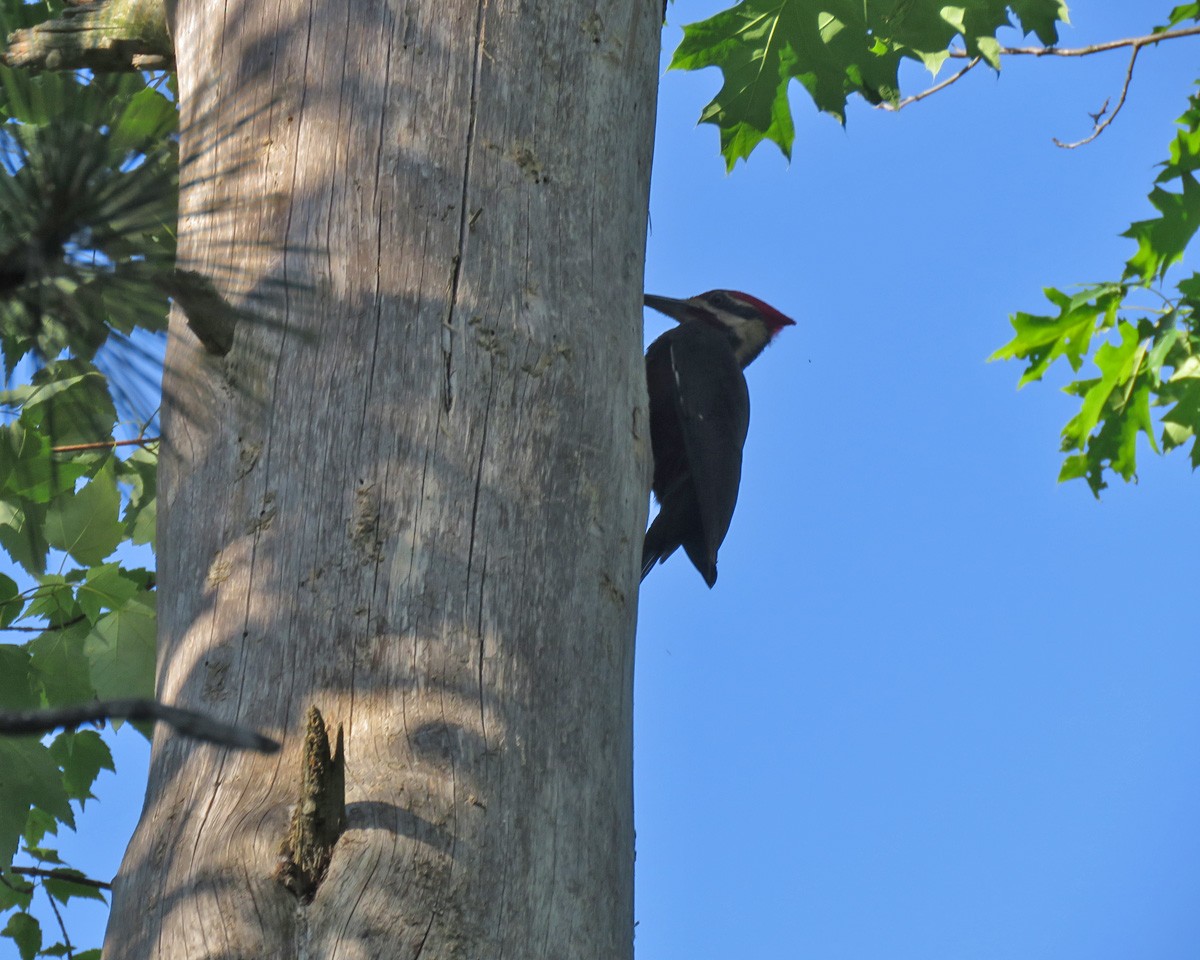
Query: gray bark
x=412, y=494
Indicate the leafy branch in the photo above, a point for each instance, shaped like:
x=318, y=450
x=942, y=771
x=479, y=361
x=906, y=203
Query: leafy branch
x=88, y=201
x=70, y=876
x=105, y=445
x=44, y=628
x=1136, y=43
x=1086, y=51
x=1102, y=118
x=836, y=48
x=1148, y=359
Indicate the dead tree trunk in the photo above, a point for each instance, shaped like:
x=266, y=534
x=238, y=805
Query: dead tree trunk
x=412, y=493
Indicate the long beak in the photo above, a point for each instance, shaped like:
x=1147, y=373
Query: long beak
x=678, y=310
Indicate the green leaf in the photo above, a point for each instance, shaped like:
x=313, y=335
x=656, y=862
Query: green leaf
x=1184, y=152
x=121, y=651
x=1182, y=422
x=62, y=889
x=106, y=587
x=26, y=933
x=54, y=600
x=22, y=535
x=15, y=891
x=16, y=689
x=11, y=606
x=38, y=825
x=1162, y=348
x=24, y=462
x=61, y=668
x=28, y=777
x=141, y=471
x=28, y=469
x=1116, y=363
x=85, y=524
x=1136, y=421
x=758, y=59
x=82, y=754
x=70, y=403
x=1161, y=241
x=1189, y=289
x=146, y=118
x=1041, y=17
x=1115, y=410
x=44, y=855
x=1043, y=339
x=834, y=48
x=1185, y=11
x=1075, y=467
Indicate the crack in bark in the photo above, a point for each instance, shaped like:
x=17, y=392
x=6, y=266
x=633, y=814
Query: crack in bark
x=471, y=544
x=424, y=937
x=487, y=409
x=479, y=632
x=464, y=225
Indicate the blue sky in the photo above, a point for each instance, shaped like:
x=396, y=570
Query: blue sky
x=937, y=706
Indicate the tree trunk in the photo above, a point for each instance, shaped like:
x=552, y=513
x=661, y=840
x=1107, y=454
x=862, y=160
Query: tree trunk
x=412, y=494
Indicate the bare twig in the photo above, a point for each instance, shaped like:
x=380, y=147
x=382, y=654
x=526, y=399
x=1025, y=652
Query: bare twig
x=62, y=927
x=188, y=723
x=1098, y=124
x=1102, y=118
x=67, y=876
x=104, y=445
x=932, y=90
x=49, y=627
x=1149, y=39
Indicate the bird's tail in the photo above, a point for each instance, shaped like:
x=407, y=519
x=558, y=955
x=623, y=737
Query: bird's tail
x=663, y=539
x=654, y=547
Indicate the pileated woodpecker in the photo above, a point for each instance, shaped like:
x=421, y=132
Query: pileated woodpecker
x=699, y=415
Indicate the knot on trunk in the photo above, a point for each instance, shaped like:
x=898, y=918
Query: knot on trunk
x=320, y=814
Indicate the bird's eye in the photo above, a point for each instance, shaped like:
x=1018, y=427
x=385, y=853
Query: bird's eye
x=719, y=298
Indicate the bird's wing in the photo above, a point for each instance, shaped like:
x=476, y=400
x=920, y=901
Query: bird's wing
x=714, y=413
x=666, y=431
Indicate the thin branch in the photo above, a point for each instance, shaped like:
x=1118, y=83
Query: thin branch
x=188, y=723
x=66, y=940
x=68, y=876
x=154, y=412
x=1098, y=125
x=104, y=444
x=33, y=593
x=932, y=90
x=1149, y=39
x=48, y=627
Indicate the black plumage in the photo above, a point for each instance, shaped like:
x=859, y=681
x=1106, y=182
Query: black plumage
x=699, y=417
x=698, y=426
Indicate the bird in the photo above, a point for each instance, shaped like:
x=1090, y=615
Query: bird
x=699, y=416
